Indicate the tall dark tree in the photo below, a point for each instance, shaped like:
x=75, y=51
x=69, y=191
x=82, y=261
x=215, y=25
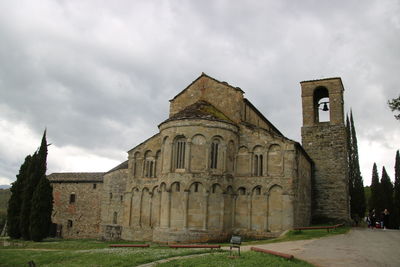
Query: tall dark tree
x=356, y=183
x=42, y=207
x=396, y=200
x=15, y=202
x=36, y=171
x=376, y=192
x=350, y=163
x=394, y=105
x=387, y=191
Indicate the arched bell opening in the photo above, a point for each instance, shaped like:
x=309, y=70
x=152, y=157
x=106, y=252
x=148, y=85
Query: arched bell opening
x=321, y=104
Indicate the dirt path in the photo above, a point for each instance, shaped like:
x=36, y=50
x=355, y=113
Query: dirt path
x=360, y=247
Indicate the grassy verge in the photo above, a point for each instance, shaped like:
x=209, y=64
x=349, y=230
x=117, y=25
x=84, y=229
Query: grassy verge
x=250, y=258
x=84, y=253
x=301, y=235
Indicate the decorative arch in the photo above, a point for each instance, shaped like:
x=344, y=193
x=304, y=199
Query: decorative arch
x=258, y=209
x=215, y=208
x=243, y=161
x=275, y=160
x=135, y=206
x=145, y=208
x=196, y=212
x=136, y=164
x=275, y=208
x=198, y=151
x=155, y=207
x=177, y=206
x=242, y=209
x=230, y=157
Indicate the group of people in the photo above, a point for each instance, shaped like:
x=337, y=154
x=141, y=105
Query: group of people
x=378, y=222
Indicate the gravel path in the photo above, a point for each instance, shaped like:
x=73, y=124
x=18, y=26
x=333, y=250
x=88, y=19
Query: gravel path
x=360, y=247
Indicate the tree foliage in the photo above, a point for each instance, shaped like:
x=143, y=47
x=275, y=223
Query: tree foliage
x=394, y=105
x=15, y=202
x=32, y=202
x=40, y=219
x=376, y=194
x=387, y=191
x=356, y=184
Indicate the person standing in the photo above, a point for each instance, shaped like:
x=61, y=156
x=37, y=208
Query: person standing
x=385, y=219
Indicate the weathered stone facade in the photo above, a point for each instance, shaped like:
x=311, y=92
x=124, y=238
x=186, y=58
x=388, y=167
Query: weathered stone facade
x=216, y=167
x=76, y=208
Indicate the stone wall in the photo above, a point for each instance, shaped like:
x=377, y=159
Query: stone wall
x=112, y=208
x=80, y=219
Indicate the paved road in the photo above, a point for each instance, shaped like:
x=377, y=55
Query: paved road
x=360, y=247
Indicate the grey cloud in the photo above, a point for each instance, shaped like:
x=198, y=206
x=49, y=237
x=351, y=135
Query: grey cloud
x=99, y=74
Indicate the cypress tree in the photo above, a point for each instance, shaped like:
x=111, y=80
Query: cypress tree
x=36, y=171
x=396, y=201
x=350, y=164
x=387, y=191
x=42, y=206
x=376, y=194
x=15, y=202
x=356, y=184
x=29, y=186
x=42, y=198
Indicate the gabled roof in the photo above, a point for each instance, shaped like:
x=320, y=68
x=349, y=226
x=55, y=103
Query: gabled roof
x=123, y=165
x=262, y=116
x=75, y=177
x=205, y=75
x=200, y=110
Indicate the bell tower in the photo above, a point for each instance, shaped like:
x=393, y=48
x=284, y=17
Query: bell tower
x=324, y=139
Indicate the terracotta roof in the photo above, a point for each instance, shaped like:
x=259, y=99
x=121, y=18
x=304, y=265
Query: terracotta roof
x=205, y=75
x=123, y=165
x=75, y=177
x=200, y=110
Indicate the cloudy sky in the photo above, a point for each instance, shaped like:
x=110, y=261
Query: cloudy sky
x=99, y=74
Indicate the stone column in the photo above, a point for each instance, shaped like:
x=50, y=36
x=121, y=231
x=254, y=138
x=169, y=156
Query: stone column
x=234, y=197
x=267, y=211
x=151, y=207
x=188, y=154
x=223, y=158
x=221, y=213
x=205, y=210
x=208, y=156
x=169, y=209
x=159, y=208
x=185, y=208
x=249, y=211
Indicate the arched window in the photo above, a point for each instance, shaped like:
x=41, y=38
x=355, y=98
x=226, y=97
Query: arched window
x=321, y=104
x=179, y=153
x=149, y=167
x=214, y=154
x=258, y=162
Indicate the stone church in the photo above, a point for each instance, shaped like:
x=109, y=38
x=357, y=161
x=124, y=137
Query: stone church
x=216, y=167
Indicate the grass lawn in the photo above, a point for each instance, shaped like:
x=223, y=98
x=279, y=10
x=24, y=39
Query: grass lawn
x=85, y=252
x=249, y=258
